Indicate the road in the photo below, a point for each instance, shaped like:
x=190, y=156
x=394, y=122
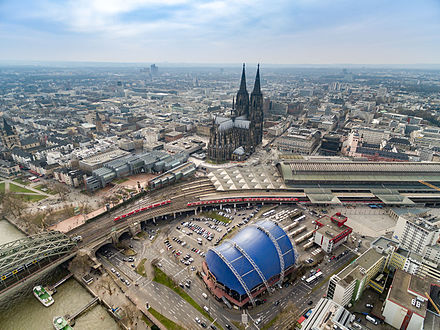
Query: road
x=300, y=294
x=161, y=298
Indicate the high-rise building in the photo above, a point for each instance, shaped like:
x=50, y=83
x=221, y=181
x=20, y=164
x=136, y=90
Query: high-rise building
x=154, y=70
x=347, y=286
x=419, y=234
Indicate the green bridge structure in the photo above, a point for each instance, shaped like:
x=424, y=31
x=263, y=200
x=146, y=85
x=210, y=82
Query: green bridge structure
x=25, y=258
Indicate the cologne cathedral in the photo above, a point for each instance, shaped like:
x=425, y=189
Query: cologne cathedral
x=237, y=136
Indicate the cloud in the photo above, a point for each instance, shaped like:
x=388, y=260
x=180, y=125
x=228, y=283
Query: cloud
x=212, y=30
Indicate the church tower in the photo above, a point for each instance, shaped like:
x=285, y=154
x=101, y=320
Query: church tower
x=98, y=123
x=256, y=110
x=242, y=99
x=9, y=136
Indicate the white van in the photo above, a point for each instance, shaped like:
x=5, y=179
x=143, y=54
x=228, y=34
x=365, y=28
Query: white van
x=371, y=319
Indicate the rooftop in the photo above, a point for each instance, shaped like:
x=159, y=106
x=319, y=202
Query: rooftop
x=327, y=315
x=406, y=287
x=256, y=177
x=357, y=269
x=330, y=229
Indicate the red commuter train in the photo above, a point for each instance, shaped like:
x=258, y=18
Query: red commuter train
x=146, y=208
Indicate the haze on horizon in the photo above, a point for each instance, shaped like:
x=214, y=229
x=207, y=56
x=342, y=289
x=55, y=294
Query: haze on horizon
x=222, y=31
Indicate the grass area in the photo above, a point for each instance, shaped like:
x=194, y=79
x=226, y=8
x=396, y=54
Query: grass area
x=140, y=269
x=161, y=277
x=120, y=180
x=44, y=188
x=2, y=187
x=129, y=252
x=147, y=321
x=271, y=323
x=155, y=236
x=288, y=313
x=215, y=215
x=15, y=188
x=22, y=181
x=170, y=325
x=335, y=272
x=31, y=198
x=210, y=161
x=142, y=234
x=238, y=325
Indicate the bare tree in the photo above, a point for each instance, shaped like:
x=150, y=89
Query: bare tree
x=81, y=262
x=131, y=314
x=13, y=205
x=106, y=284
x=61, y=189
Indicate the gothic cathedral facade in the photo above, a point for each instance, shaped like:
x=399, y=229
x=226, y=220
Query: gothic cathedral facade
x=237, y=136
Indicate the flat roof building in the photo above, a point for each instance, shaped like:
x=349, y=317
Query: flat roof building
x=406, y=303
x=92, y=163
x=328, y=314
x=331, y=232
x=419, y=233
x=348, y=285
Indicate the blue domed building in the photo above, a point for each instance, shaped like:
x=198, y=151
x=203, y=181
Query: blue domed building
x=241, y=268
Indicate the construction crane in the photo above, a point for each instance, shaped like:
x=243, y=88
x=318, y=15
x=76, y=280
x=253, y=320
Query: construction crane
x=432, y=302
x=429, y=185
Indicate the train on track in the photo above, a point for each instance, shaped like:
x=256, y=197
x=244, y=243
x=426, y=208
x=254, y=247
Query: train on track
x=146, y=208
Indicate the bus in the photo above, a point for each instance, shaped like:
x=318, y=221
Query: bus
x=311, y=279
x=268, y=213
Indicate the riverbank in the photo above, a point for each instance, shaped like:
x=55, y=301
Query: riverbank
x=18, y=224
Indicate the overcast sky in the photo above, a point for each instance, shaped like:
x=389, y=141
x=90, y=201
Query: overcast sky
x=185, y=31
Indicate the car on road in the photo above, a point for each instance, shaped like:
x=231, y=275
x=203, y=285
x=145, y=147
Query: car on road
x=113, y=270
x=310, y=303
x=228, y=326
x=276, y=303
x=258, y=321
x=117, y=274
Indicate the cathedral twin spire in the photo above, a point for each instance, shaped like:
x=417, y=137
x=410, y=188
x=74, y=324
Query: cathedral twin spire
x=257, y=89
x=242, y=99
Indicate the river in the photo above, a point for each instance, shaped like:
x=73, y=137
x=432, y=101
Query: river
x=23, y=311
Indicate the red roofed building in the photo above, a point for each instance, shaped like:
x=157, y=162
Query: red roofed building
x=330, y=232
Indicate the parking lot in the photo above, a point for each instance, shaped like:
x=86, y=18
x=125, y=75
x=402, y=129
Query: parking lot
x=179, y=246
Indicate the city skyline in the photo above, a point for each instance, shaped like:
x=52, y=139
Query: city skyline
x=206, y=32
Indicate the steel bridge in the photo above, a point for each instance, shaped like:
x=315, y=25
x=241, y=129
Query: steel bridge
x=25, y=256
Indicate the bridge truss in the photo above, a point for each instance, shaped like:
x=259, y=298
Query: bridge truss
x=24, y=252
